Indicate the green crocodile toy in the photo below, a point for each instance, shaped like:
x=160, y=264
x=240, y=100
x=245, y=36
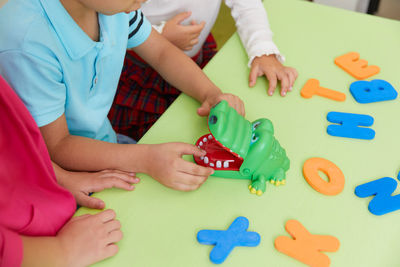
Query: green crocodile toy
x=239, y=149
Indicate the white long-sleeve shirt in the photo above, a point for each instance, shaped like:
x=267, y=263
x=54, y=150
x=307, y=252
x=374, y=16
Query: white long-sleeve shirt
x=250, y=17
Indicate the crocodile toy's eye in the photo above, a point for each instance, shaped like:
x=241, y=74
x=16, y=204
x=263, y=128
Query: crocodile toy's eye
x=213, y=119
x=255, y=125
x=254, y=138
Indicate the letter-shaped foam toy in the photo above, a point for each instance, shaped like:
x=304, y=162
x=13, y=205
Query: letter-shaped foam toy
x=239, y=149
x=306, y=247
x=226, y=241
x=312, y=87
x=356, y=67
x=349, y=125
x=382, y=189
x=335, y=175
x=373, y=91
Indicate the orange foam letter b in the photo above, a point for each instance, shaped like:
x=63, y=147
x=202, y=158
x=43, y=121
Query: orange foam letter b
x=356, y=67
x=306, y=247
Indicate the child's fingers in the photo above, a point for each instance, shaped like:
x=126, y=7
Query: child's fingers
x=194, y=169
x=112, y=182
x=181, y=17
x=109, y=251
x=285, y=84
x=114, y=236
x=119, y=171
x=195, y=29
x=188, y=48
x=253, y=76
x=112, y=226
x=204, y=109
x=189, y=149
x=121, y=175
x=105, y=216
x=292, y=76
x=77, y=218
x=235, y=102
x=272, y=82
x=194, y=41
x=185, y=187
x=90, y=202
x=241, y=109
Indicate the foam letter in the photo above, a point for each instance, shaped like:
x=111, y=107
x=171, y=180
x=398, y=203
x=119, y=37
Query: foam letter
x=306, y=247
x=312, y=88
x=226, y=241
x=382, y=189
x=356, y=67
x=335, y=175
x=348, y=125
x=373, y=91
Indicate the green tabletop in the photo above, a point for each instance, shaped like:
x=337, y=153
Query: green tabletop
x=160, y=224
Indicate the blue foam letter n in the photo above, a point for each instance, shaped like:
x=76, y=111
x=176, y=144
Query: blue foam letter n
x=382, y=190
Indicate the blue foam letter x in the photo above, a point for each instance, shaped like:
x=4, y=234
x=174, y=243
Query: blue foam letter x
x=225, y=241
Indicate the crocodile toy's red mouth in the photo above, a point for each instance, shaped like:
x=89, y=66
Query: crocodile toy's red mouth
x=218, y=156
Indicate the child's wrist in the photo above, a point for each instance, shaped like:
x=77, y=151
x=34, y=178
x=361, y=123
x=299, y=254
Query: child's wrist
x=143, y=158
x=212, y=93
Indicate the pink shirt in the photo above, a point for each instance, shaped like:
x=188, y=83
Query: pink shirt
x=31, y=201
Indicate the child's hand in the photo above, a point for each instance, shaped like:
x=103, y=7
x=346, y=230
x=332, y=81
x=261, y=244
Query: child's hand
x=274, y=71
x=212, y=100
x=80, y=184
x=182, y=36
x=165, y=164
x=87, y=239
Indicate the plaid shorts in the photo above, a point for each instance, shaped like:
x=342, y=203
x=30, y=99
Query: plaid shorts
x=143, y=95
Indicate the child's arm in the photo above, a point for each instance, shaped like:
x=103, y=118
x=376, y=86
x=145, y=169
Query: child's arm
x=256, y=35
x=81, y=184
x=163, y=162
x=180, y=71
x=84, y=240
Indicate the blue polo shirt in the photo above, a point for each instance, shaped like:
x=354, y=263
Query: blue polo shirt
x=56, y=68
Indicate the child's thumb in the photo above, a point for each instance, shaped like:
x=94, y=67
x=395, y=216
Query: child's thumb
x=90, y=202
x=204, y=110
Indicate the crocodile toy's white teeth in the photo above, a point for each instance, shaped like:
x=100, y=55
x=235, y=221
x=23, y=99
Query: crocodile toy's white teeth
x=217, y=155
x=218, y=163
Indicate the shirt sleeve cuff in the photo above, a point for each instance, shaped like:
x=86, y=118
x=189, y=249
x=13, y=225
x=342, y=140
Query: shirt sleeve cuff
x=159, y=27
x=264, y=48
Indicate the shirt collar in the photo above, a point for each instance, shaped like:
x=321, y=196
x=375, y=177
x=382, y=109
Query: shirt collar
x=76, y=42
